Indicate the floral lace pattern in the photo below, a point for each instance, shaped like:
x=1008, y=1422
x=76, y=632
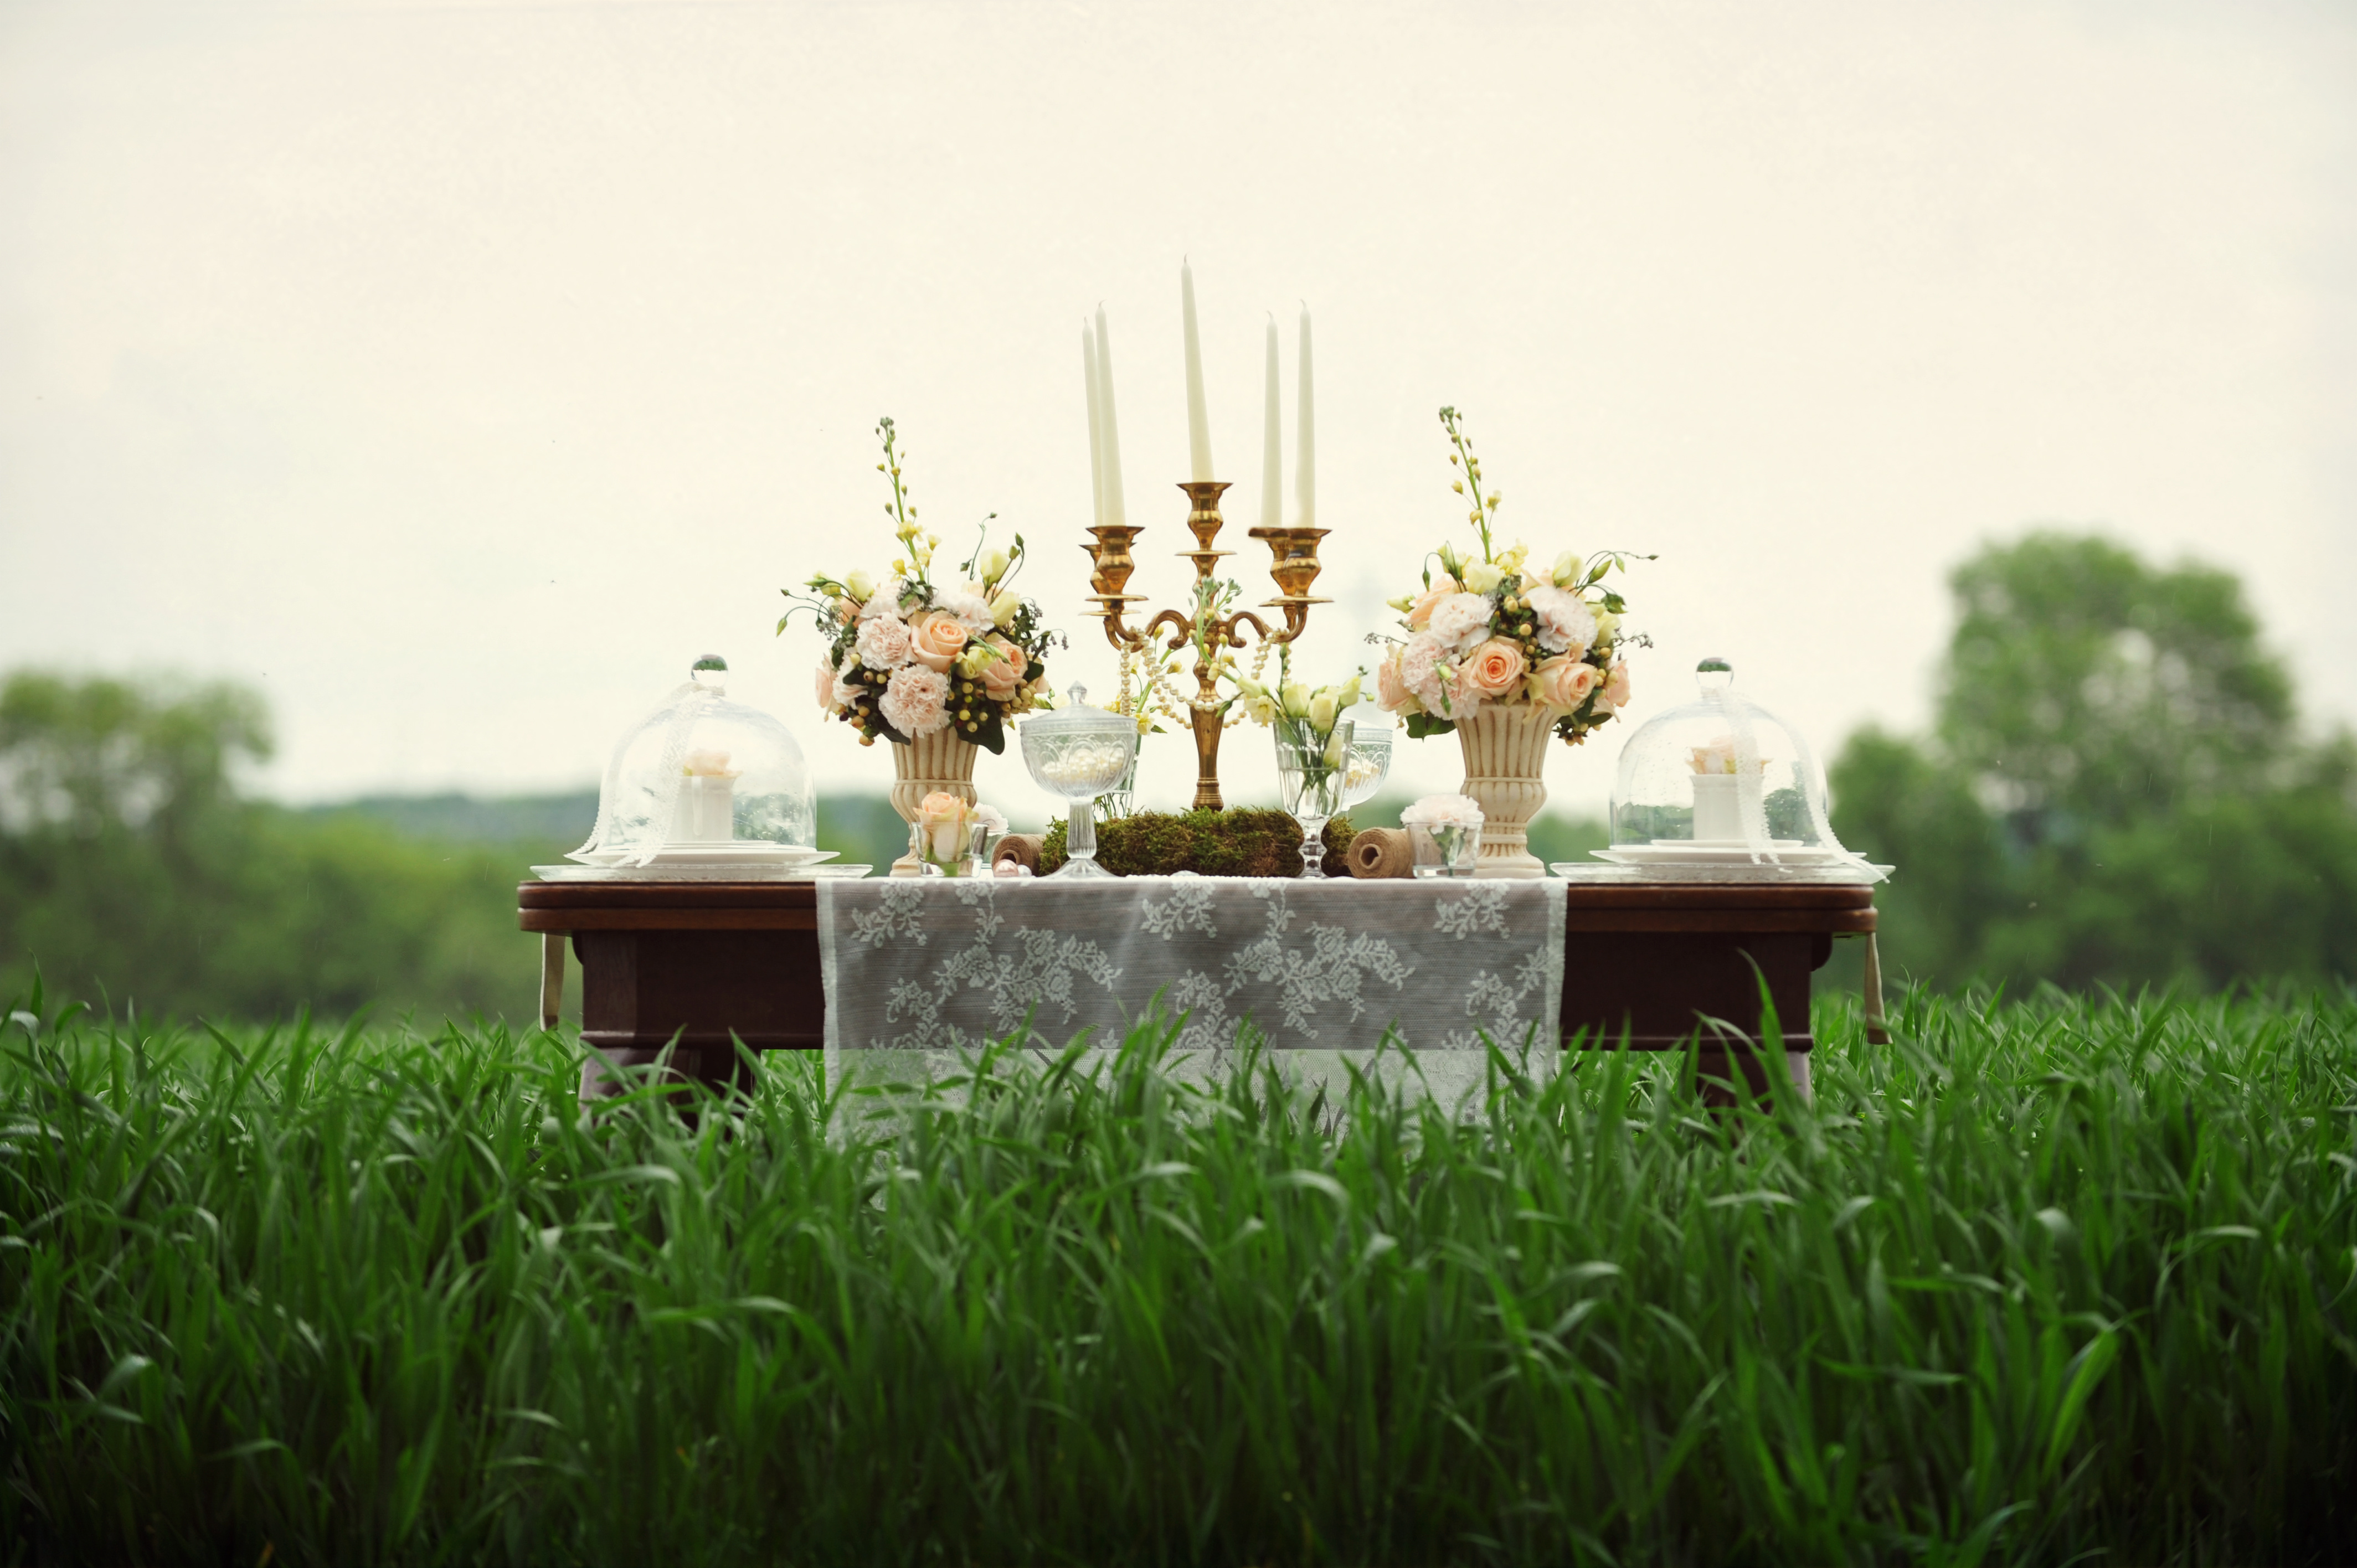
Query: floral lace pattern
x=920, y=967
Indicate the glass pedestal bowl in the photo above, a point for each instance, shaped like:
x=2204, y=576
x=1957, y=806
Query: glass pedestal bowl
x=1079, y=752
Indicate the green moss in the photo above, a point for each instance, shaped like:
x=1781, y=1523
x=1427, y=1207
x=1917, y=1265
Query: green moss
x=1247, y=842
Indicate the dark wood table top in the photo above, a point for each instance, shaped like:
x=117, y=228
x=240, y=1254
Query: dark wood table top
x=1590, y=907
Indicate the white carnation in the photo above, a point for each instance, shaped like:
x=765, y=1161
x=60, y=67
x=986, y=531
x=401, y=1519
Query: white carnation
x=1461, y=620
x=1443, y=811
x=970, y=610
x=1566, y=624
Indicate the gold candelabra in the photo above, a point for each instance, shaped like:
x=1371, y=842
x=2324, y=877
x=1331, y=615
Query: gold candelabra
x=1293, y=563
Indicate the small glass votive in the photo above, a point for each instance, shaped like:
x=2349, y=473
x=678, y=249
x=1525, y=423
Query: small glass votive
x=1444, y=850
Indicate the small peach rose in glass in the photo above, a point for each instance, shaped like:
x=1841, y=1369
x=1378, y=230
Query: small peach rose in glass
x=943, y=830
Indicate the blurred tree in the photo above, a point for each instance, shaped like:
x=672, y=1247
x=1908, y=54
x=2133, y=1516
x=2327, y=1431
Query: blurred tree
x=2116, y=790
x=130, y=869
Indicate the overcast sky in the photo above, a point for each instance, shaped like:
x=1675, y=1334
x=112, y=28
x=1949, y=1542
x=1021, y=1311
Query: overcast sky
x=457, y=373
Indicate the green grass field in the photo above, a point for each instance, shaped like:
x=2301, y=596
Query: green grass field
x=2051, y=1282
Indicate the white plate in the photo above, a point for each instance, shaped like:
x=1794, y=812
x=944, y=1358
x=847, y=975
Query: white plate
x=696, y=871
x=731, y=851
x=1786, y=852
x=1851, y=873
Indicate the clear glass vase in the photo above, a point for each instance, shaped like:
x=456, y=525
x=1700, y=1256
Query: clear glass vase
x=1312, y=769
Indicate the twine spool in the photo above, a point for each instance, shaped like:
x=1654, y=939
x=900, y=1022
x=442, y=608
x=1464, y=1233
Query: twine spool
x=1381, y=852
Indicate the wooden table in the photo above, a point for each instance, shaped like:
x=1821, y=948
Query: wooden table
x=1644, y=964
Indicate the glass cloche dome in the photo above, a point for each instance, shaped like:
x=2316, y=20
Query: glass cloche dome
x=705, y=785
x=1722, y=782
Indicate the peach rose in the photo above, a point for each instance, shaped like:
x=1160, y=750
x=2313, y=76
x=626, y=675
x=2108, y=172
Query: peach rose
x=945, y=826
x=1391, y=686
x=1421, y=611
x=939, y=639
x=1003, y=676
x=826, y=687
x=1494, y=667
x=1465, y=698
x=1562, y=683
x=1616, y=689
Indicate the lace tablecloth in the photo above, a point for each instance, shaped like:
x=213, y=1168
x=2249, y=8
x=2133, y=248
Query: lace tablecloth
x=917, y=968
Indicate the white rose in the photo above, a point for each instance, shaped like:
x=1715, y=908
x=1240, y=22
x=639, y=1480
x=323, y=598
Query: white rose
x=860, y=586
x=1003, y=609
x=1321, y=712
x=1568, y=568
x=1483, y=576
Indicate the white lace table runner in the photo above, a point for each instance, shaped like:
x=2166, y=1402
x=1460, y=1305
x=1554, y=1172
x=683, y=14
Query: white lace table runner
x=920, y=968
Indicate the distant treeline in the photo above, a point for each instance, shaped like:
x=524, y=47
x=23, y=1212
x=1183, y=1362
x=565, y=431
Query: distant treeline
x=2115, y=791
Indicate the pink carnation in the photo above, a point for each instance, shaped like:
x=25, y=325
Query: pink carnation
x=916, y=700
x=1421, y=671
x=1566, y=624
x=884, y=643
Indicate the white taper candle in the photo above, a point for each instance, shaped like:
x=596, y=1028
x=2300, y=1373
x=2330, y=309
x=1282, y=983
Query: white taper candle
x=1198, y=420
x=1109, y=430
x=1096, y=424
x=1271, y=443
x=1304, y=455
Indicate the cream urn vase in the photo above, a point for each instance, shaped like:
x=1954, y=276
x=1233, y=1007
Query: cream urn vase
x=940, y=761
x=1505, y=754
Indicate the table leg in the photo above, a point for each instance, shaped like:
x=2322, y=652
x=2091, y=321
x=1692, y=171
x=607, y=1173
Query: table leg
x=552, y=977
x=1878, y=1027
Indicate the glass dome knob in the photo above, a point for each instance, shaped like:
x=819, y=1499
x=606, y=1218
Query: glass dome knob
x=1079, y=694
x=1714, y=674
x=711, y=672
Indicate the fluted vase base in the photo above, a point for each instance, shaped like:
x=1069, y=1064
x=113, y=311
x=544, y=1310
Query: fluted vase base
x=1505, y=756
x=940, y=761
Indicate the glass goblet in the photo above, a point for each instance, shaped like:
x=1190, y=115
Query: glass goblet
x=1371, y=764
x=1311, y=770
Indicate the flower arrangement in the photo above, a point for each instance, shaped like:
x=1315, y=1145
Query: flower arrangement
x=1313, y=747
x=1494, y=629
x=1302, y=716
x=911, y=656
